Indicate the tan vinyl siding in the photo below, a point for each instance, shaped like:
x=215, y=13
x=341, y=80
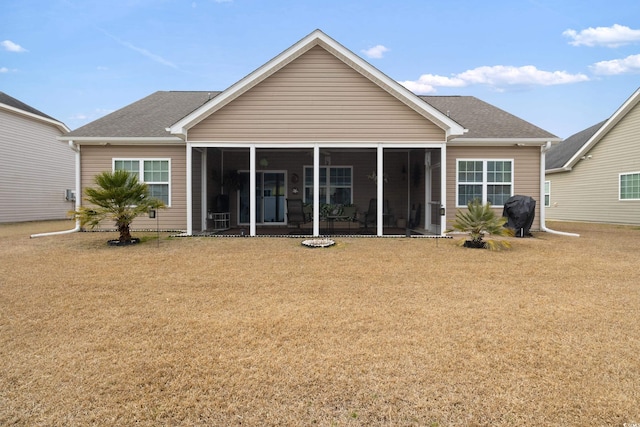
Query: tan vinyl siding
x=316, y=97
x=97, y=159
x=526, y=173
x=590, y=192
x=35, y=170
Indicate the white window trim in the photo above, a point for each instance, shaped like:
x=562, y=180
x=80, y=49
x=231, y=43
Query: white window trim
x=141, y=161
x=547, y=183
x=484, y=178
x=620, y=175
x=304, y=178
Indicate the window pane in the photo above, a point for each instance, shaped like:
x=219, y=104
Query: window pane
x=498, y=194
x=630, y=186
x=498, y=171
x=340, y=176
x=156, y=171
x=131, y=166
x=469, y=171
x=547, y=193
x=467, y=193
x=159, y=191
x=308, y=176
x=341, y=196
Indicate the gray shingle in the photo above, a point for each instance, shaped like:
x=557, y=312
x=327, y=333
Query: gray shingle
x=148, y=117
x=484, y=120
x=12, y=102
x=560, y=154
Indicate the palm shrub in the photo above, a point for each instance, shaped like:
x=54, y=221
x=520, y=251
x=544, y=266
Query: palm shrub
x=119, y=196
x=480, y=220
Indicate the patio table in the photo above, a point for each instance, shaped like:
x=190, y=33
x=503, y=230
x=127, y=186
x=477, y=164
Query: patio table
x=331, y=219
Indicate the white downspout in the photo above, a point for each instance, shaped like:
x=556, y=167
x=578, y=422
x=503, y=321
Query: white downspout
x=543, y=226
x=76, y=149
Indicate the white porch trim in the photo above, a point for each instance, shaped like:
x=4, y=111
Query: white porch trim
x=252, y=190
x=316, y=147
x=443, y=189
x=380, y=190
x=189, y=189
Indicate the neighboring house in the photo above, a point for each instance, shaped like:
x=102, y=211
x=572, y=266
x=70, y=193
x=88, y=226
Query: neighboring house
x=35, y=168
x=317, y=123
x=594, y=175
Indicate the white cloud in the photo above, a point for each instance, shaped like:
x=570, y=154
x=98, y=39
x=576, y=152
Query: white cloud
x=11, y=46
x=614, y=36
x=498, y=77
x=4, y=70
x=630, y=64
x=376, y=52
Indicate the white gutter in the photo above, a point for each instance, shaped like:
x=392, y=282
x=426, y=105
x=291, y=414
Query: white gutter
x=75, y=148
x=543, y=226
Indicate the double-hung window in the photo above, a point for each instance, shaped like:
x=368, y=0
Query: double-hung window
x=547, y=193
x=336, y=184
x=153, y=172
x=489, y=181
x=630, y=186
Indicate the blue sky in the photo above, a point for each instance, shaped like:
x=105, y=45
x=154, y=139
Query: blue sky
x=563, y=65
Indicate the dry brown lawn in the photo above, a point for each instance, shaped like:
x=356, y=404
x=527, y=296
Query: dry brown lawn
x=373, y=331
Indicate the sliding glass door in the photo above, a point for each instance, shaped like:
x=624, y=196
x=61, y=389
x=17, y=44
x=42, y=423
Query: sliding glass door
x=270, y=194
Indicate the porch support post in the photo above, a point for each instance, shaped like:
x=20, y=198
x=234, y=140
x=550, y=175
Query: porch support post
x=252, y=190
x=203, y=185
x=189, y=190
x=380, y=190
x=443, y=188
x=316, y=190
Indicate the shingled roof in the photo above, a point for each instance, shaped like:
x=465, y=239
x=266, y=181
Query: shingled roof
x=560, y=154
x=146, y=118
x=15, y=103
x=152, y=115
x=484, y=120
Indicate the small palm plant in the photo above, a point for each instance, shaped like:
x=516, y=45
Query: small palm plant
x=480, y=220
x=120, y=197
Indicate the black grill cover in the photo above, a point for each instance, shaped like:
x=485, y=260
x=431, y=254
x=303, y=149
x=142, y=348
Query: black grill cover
x=520, y=211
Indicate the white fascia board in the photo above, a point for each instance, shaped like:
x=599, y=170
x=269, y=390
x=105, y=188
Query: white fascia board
x=460, y=142
x=314, y=39
x=628, y=105
x=61, y=126
x=322, y=144
x=557, y=170
x=122, y=140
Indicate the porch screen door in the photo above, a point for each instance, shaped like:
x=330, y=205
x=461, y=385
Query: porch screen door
x=270, y=194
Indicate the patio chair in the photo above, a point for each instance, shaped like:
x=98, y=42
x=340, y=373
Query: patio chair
x=295, y=212
x=414, y=218
x=370, y=216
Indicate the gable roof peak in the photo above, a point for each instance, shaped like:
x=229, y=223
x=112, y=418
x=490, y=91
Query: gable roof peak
x=319, y=38
x=563, y=157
